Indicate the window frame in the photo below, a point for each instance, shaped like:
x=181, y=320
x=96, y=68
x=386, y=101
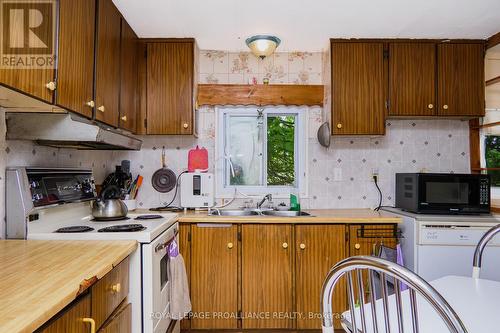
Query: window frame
x=224, y=190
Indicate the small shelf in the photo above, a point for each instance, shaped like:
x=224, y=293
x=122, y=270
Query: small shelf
x=272, y=94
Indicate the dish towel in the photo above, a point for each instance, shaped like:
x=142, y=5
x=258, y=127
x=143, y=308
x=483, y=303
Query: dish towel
x=180, y=302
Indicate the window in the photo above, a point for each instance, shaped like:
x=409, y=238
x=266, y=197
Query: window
x=261, y=150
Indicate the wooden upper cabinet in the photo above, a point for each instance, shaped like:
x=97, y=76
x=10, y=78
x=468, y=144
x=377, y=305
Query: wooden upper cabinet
x=412, y=79
x=170, y=85
x=107, y=78
x=266, y=278
x=30, y=80
x=318, y=248
x=214, y=275
x=358, y=88
x=129, y=76
x=75, y=68
x=461, y=79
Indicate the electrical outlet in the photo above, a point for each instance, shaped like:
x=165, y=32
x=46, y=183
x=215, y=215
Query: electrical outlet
x=337, y=174
x=374, y=174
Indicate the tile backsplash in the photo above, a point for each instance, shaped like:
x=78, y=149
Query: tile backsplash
x=339, y=176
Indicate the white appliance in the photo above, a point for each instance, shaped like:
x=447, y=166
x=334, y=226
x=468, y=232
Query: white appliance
x=438, y=245
x=197, y=190
x=29, y=217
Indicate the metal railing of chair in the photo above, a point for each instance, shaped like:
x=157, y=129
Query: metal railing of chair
x=416, y=285
x=478, y=254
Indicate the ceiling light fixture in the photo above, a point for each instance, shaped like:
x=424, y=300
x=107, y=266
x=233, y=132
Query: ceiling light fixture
x=263, y=45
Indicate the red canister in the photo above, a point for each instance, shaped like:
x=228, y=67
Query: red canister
x=198, y=159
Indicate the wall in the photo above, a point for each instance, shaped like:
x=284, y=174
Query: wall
x=409, y=145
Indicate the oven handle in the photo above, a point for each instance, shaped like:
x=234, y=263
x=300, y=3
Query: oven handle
x=164, y=245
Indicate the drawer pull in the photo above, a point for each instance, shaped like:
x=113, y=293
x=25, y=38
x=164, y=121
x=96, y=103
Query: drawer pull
x=445, y=107
x=91, y=322
x=430, y=106
x=302, y=246
x=51, y=86
x=90, y=104
x=101, y=108
x=185, y=125
x=285, y=245
x=230, y=245
x=116, y=288
x=124, y=118
x=339, y=125
x=357, y=246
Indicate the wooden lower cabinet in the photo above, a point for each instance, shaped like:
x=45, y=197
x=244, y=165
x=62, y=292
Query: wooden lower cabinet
x=70, y=320
x=317, y=248
x=120, y=321
x=214, y=276
x=105, y=303
x=266, y=278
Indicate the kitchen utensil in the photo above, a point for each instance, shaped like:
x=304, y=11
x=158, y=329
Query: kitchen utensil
x=324, y=134
x=163, y=179
x=197, y=159
x=105, y=207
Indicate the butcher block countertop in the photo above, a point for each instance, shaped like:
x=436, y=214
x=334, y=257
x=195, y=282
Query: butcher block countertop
x=327, y=216
x=39, y=278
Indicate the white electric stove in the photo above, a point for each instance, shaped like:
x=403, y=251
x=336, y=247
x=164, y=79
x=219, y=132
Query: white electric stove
x=54, y=204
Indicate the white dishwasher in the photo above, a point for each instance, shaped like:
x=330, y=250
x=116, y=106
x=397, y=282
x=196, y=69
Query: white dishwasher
x=438, y=245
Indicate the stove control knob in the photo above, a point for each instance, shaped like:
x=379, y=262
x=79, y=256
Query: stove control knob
x=37, y=196
x=34, y=184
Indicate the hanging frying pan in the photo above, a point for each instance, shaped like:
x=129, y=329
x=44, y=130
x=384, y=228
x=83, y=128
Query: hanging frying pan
x=163, y=179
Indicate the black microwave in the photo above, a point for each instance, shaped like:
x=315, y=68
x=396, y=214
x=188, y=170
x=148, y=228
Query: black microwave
x=440, y=193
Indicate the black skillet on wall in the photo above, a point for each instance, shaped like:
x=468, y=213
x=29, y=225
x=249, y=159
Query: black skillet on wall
x=163, y=179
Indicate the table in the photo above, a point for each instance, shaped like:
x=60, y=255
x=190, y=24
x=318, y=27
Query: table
x=476, y=301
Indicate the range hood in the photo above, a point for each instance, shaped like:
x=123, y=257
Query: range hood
x=65, y=130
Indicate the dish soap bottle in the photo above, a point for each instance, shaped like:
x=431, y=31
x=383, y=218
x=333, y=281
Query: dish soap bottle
x=294, y=202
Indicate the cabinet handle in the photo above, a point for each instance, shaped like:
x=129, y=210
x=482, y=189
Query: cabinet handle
x=285, y=245
x=445, y=107
x=101, y=108
x=230, y=245
x=185, y=125
x=116, y=288
x=302, y=246
x=124, y=118
x=339, y=125
x=90, y=104
x=430, y=106
x=51, y=86
x=91, y=322
x=357, y=246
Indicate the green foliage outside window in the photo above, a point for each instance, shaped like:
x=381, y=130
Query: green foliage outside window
x=492, y=156
x=281, y=150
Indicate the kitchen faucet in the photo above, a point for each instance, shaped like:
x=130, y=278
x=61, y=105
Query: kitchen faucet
x=268, y=197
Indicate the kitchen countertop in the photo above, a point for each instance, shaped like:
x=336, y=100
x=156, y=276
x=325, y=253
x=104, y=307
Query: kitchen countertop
x=39, y=278
x=486, y=218
x=341, y=216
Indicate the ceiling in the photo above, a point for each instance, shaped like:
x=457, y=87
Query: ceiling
x=306, y=25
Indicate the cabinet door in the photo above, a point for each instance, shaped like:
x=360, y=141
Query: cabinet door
x=170, y=68
x=214, y=275
x=318, y=248
x=75, y=66
x=358, y=88
x=412, y=79
x=70, y=319
x=128, y=79
x=266, y=279
x=121, y=321
x=364, y=238
x=461, y=79
x=107, y=80
x=21, y=76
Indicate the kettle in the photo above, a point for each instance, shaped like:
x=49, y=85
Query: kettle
x=105, y=208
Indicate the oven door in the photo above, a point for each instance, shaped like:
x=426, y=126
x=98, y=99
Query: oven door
x=448, y=193
x=156, y=282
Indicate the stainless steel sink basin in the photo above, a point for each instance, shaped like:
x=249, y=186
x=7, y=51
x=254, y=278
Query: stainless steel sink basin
x=234, y=212
x=284, y=213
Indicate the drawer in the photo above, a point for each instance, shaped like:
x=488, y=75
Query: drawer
x=109, y=292
x=70, y=318
x=121, y=321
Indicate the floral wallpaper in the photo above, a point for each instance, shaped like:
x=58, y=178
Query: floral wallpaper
x=221, y=67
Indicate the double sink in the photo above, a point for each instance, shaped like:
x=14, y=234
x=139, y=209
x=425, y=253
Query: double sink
x=257, y=212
